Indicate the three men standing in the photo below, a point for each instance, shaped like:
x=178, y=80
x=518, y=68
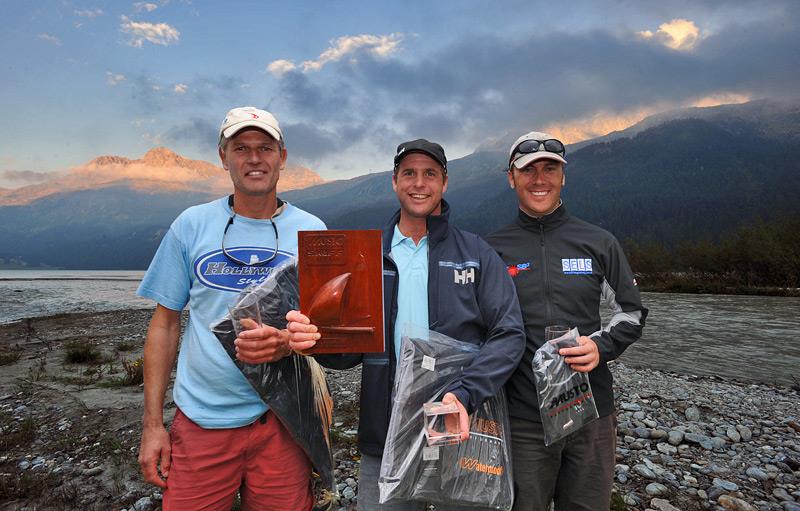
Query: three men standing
x=224, y=439
x=563, y=269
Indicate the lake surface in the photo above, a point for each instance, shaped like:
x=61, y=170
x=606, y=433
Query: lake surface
x=755, y=338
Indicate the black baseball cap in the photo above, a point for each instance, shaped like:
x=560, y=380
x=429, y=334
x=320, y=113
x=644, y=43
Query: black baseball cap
x=423, y=146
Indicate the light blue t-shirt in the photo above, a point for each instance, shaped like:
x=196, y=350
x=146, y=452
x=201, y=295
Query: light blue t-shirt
x=190, y=268
x=412, y=289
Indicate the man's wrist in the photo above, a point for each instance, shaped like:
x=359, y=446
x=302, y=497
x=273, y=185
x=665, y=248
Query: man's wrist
x=149, y=422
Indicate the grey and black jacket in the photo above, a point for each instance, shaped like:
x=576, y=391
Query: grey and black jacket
x=564, y=269
x=470, y=298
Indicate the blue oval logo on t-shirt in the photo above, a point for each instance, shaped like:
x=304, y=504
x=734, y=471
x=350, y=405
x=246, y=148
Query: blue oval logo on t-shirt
x=215, y=270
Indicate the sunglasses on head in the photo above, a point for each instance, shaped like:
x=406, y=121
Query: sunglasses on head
x=550, y=145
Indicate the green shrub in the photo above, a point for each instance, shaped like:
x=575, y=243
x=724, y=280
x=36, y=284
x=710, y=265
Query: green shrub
x=13, y=433
x=125, y=345
x=9, y=357
x=81, y=352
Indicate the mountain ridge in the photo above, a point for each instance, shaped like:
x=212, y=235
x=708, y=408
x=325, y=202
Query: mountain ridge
x=685, y=179
x=159, y=168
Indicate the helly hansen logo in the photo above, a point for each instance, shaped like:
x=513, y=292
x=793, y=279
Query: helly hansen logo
x=578, y=266
x=464, y=276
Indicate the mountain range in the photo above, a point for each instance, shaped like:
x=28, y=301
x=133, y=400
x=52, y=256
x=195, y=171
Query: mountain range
x=160, y=169
x=686, y=175
x=679, y=176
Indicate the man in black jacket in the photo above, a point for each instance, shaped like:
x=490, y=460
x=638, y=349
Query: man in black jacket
x=435, y=276
x=563, y=269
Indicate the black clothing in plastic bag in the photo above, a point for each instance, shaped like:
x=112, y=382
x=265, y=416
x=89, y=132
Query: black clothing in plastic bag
x=294, y=387
x=566, y=402
x=474, y=473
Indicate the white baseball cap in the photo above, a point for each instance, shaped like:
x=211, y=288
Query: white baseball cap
x=523, y=159
x=250, y=116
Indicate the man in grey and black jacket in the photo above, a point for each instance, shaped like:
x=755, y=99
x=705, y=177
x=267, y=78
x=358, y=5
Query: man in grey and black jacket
x=435, y=276
x=564, y=269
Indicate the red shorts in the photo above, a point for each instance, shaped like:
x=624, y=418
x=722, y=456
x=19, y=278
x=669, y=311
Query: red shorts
x=208, y=467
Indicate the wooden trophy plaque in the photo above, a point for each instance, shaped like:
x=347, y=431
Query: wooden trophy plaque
x=341, y=289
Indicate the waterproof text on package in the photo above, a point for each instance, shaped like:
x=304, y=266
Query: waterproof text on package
x=473, y=473
x=566, y=402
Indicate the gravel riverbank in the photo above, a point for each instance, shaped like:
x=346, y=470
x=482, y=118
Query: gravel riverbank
x=70, y=429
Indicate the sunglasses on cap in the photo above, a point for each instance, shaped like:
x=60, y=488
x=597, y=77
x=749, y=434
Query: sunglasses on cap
x=550, y=145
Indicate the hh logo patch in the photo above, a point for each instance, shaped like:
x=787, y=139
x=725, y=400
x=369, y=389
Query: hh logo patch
x=464, y=276
x=578, y=266
x=514, y=269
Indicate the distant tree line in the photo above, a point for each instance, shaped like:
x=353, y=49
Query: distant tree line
x=757, y=258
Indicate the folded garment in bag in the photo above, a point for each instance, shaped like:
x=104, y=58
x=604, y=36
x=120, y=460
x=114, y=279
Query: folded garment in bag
x=566, y=402
x=294, y=387
x=473, y=473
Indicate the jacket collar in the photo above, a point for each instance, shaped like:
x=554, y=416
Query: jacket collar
x=548, y=222
x=437, y=227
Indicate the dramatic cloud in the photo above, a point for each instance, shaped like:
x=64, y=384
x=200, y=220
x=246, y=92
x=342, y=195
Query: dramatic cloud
x=604, y=80
x=152, y=97
x=381, y=46
x=50, y=38
x=723, y=98
x=145, y=6
x=601, y=123
x=89, y=13
x=114, y=78
x=310, y=142
x=678, y=34
x=155, y=33
x=25, y=177
x=200, y=132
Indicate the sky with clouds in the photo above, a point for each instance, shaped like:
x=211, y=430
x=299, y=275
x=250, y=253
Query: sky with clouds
x=349, y=80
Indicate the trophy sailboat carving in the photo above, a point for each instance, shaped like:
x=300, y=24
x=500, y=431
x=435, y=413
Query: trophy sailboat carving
x=330, y=312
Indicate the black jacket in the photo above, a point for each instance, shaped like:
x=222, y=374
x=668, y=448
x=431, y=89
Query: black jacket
x=479, y=307
x=564, y=269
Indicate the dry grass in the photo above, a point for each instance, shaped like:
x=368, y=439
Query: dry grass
x=134, y=371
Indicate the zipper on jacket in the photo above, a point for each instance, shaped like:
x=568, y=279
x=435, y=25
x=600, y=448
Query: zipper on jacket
x=548, y=311
x=387, y=256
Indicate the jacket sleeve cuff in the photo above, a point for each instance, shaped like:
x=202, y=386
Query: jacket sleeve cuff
x=463, y=397
x=606, y=355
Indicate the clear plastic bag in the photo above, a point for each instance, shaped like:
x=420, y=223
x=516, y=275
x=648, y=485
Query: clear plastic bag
x=294, y=387
x=473, y=473
x=566, y=402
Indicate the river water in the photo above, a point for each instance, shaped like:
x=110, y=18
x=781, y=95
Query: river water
x=33, y=293
x=755, y=338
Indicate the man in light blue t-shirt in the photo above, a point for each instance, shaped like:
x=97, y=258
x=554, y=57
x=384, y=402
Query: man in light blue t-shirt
x=223, y=439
